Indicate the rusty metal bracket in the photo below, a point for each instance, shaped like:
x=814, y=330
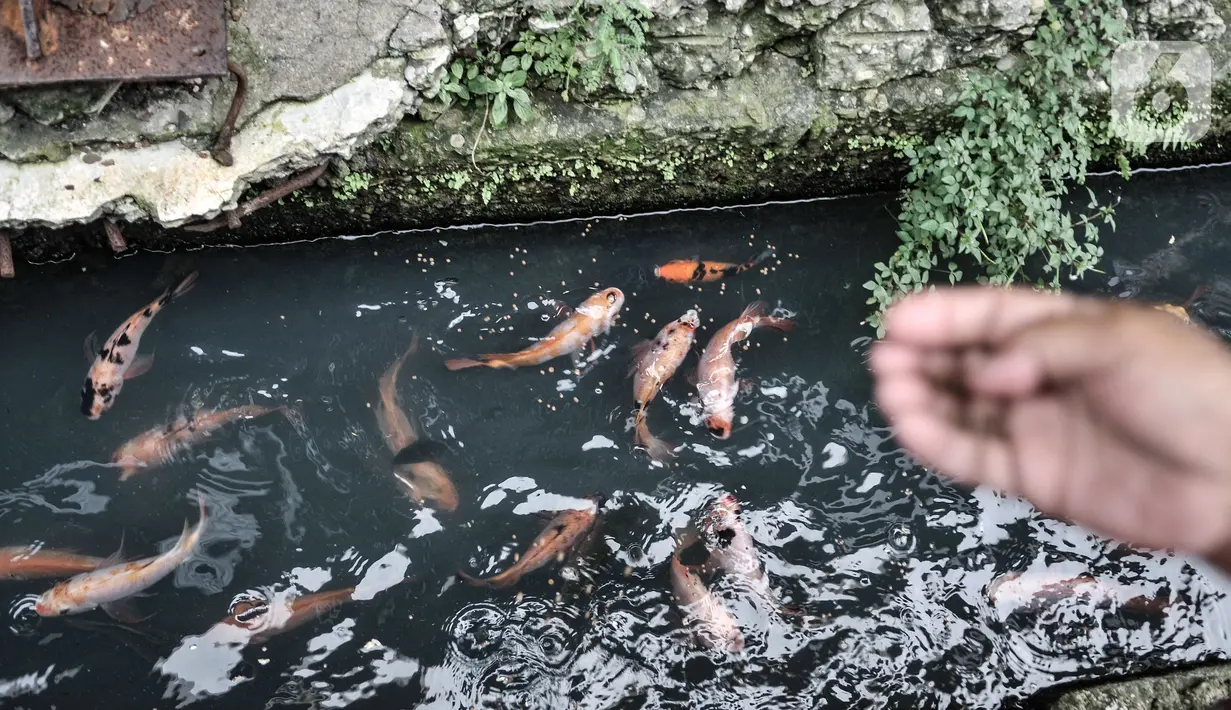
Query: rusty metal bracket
x=221, y=152
x=29, y=27
x=56, y=41
x=273, y=194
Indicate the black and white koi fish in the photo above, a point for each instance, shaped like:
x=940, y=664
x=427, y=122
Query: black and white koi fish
x=118, y=360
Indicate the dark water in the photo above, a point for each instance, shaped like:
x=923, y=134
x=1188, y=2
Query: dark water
x=893, y=564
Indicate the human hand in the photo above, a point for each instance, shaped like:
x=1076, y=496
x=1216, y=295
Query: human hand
x=1115, y=416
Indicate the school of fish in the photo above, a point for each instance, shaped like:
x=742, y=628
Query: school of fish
x=715, y=546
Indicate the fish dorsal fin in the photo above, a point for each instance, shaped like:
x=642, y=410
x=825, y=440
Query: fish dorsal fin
x=91, y=347
x=639, y=350
x=116, y=557
x=557, y=309
x=141, y=364
x=420, y=451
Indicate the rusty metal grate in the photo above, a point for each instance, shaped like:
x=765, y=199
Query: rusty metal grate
x=55, y=41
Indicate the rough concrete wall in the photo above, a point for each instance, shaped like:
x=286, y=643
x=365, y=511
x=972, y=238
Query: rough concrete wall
x=740, y=83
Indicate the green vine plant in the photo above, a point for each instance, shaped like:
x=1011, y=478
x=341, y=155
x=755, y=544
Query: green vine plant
x=992, y=194
x=590, y=46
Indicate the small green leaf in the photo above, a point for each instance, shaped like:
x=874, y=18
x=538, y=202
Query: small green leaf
x=500, y=111
x=526, y=61
x=522, y=109
x=509, y=64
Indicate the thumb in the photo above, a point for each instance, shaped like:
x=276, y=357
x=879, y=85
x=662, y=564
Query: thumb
x=1055, y=350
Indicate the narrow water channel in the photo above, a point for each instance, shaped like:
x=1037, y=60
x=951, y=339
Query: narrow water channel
x=895, y=580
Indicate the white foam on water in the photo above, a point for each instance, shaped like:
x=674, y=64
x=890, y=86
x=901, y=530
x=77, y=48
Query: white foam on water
x=598, y=442
x=310, y=578
x=836, y=455
x=493, y=498
x=870, y=482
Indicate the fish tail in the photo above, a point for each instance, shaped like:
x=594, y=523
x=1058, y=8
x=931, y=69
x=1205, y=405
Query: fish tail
x=758, y=311
x=492, y=361
x=755, y=261
x=782, y=325
x=184, y=286
x=464, y=363
x=658, y=449
x=473, y=581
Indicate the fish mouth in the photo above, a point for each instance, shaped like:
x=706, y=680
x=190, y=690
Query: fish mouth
x=691, y=319
x=720, y=430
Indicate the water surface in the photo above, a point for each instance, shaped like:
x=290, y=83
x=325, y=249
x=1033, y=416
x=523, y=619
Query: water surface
x=892, y=564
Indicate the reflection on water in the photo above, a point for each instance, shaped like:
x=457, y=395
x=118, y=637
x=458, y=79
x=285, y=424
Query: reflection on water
x=887, y=587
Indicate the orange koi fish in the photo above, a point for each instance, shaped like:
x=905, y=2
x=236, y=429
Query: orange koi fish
x=563, y=533
x=1181, y=311
x=712, y=624
x=264, y=620
x=716, y=381
x=30, y=562
x=110, y=586
x=654, y=363
x=416, y=467
x=691, y=271
x=118, y=360
x=593, y=318
x=163, y=443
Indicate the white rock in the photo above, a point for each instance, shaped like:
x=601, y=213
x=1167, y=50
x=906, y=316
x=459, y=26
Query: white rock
x=177, y=185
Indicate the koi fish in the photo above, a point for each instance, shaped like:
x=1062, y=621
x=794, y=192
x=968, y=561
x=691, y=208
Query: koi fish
x=163, y=443
x=562, y=534
x=264, y=620
x=712, y=624
x=691, y=271
x=118, y=361
x=30, y=562
x=114, y=582
x=594, y=317
x=416, y=467
x=1021, y=590
x=654, y=363
x=716, y=381
x=731, y=548
x=1181, y=311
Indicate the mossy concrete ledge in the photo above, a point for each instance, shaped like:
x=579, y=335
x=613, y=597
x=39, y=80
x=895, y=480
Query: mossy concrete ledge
x=732, y=102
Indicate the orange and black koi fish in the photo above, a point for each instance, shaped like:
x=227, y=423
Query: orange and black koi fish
x=416, y=464
x=118, y=360
x=592, y=318
x=163, y=443
x=692, y=271
x=563, y=533
x=31, y=562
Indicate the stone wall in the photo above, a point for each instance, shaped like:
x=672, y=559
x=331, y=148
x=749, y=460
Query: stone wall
x=735, y=100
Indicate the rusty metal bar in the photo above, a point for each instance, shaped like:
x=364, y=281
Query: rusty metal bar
x=29, y=28
x=114, y=236
x=45, y=42
x=231, y=219
x=221, y=152
x=6, y=257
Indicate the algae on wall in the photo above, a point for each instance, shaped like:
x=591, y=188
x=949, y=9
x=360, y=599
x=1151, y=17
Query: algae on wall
x=727, y=101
